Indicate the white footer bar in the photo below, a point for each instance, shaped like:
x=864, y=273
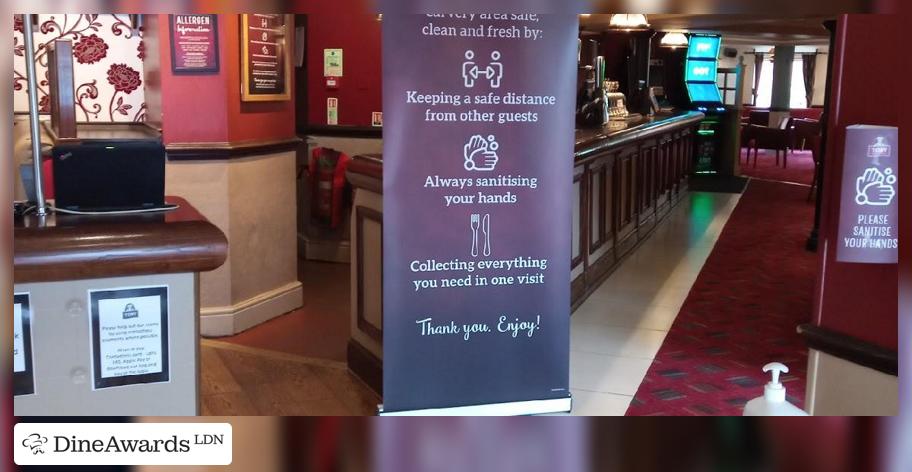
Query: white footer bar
x=529, y=407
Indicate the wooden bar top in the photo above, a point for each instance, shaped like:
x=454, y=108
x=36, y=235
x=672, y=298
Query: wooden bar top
x=588, y=142
x=73, y=247
x=366, y=171
x=620, y=132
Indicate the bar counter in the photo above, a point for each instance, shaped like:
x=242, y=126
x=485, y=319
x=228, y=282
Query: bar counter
x=627, y=175
x=67, y=247
x=60, y=260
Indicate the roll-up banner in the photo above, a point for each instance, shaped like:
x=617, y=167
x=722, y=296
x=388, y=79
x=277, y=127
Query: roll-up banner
x=478, y=153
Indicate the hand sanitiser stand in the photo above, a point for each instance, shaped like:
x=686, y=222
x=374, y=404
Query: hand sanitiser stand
x=773, y=402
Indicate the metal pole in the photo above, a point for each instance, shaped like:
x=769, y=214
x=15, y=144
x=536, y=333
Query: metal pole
x=33, y=112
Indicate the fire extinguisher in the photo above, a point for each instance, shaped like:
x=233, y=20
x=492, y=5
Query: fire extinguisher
x=327, y=169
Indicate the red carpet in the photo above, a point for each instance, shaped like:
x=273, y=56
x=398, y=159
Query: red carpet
x=754, y=290
x=800, y=167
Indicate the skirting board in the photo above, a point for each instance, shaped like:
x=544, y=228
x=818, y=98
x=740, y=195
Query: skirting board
x=530, y=407
x=327, y=251
x=230, y=320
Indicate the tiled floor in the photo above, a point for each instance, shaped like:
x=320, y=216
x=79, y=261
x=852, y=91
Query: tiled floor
x=617, y=331
x=615, y=334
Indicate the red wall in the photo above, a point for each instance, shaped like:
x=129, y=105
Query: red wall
x=208, y=108
x=858, y=299
x=351, y=25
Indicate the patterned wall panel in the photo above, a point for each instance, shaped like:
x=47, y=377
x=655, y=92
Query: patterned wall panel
x=108, y=65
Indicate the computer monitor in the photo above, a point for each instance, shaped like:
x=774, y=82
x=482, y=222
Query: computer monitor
x=109, y=175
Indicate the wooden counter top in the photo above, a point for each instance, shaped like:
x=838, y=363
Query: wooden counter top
x=72, y=247
x=618, y=133
x=589, y=142
x=366, y=171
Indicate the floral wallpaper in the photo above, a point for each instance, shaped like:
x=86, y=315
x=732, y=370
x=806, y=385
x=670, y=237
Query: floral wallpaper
x=107, y=64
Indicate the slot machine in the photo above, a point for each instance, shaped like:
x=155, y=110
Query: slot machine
x=701, y=66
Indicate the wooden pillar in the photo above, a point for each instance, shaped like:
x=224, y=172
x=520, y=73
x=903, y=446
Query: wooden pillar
x=62, y=92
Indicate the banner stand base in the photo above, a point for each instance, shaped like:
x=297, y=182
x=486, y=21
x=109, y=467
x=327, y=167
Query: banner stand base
x=523, y=408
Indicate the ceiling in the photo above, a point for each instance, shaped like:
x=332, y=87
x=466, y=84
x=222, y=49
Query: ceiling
x=737, y=29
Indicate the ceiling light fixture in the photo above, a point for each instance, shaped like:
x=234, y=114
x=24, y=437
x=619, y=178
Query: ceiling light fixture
x=628, y=21
x=674, y=39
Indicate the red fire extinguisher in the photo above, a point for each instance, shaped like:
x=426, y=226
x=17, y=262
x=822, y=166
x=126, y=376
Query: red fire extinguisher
x=327, y=170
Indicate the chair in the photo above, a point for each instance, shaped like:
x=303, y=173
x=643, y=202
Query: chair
x=785, y=124
x=759, y=117
x=764, y=137
x=802, y=130
x=747, y=139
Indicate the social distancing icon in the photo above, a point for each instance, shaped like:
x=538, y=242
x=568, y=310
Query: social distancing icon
x=471, y=71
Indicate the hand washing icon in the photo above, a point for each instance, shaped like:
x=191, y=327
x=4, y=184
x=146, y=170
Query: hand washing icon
x=480, y=153
x=471, y=71
x=875, y=188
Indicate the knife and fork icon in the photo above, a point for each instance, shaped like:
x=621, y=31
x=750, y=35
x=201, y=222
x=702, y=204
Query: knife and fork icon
x=484, y=223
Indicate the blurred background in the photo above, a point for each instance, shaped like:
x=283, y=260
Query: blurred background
x=532, y=444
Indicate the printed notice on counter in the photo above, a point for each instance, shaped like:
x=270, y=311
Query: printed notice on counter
x=868, y=213
x=129, y=336
x=478, y=156
x=23, y=372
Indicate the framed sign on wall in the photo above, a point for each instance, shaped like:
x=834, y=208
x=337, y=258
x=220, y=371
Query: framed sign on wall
x=194, y=44
x=265, y=57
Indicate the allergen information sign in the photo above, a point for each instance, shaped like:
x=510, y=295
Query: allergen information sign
x=194, y=44
x=478, y=156
x=23, y=369
x=868, y=210
x=129, y=336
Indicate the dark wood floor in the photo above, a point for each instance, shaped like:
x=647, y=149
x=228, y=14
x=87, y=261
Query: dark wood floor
x=238, y=380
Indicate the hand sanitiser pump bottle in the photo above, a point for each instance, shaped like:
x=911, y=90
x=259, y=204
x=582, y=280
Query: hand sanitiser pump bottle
x=773, y=403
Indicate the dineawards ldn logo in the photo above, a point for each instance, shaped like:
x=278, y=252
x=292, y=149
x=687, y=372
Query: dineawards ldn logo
x=123, y=444
x=35, y=442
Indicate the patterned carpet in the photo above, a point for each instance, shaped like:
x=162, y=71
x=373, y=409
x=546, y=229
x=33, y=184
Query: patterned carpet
x=754, y=290
x=800, y=168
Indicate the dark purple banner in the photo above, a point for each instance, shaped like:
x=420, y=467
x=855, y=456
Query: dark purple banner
x=868, y=211
x=478, y=154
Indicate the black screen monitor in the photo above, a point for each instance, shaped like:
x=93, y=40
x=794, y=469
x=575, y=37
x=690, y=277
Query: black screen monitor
x=109, y=175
